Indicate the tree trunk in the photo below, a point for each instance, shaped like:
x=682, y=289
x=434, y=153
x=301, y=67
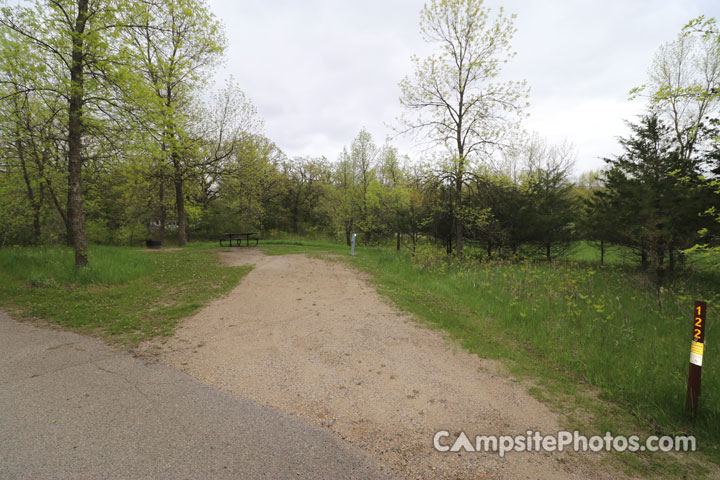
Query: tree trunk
x=56, y=202
x=458, y=219
x=36, y=226
x=398, y=240
x=163, y=212
x=76, y=213
x=179, y=192
x=643, y=258
x=35, y=201
x=547, y=252
x=39, y=206
x=489, y=249
x=460, y=172
x=660, y=276
x=68, y=210
x=295, y=221
x=660, y=265
x=602, y=252
x=180, y=207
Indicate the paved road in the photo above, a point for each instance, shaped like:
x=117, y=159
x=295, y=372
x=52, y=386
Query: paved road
x=72, y=407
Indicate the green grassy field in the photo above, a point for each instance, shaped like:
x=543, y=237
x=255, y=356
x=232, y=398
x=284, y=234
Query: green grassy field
x=126, y=294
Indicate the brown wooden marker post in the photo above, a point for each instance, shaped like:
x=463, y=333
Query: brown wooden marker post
x=697, y=347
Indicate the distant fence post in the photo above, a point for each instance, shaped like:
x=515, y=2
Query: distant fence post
x=352, y=248
x=697, y=347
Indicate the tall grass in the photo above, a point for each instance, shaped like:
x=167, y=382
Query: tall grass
x=599, y=325
x=54, y=266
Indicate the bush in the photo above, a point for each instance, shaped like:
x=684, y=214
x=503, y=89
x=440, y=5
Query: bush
x=430, y=257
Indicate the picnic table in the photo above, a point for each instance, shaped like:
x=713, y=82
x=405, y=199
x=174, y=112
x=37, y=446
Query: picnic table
x=238, y=239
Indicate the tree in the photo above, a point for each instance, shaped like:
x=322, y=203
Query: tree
x=306, y=177
x=341, y=198
x=251, y=183
x=389, y=198
x=174, y=43
x=551, y=209
x=597, y=223
x=73, y=38
x=417, y=204
x=453, y=98
x=27, y=124
x=440, y=208
x=683, y=84
x=363, y=160
x=346, y=201
x=655, y=194
x=504, y=200
x=684, y=89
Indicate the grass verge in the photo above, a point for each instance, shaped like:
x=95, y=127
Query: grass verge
x=288, y=247
x=126, y=295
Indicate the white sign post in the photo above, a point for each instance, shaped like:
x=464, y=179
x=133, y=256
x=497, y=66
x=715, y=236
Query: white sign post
x=352, y=249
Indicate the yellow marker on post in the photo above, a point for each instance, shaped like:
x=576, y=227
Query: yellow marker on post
x=696, y=353
x=697, y=349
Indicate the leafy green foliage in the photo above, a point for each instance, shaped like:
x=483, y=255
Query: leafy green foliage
x=653, y=198
x=683, y=89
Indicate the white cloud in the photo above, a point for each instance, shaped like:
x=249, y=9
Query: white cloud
x=591, y=124
x=319, y=70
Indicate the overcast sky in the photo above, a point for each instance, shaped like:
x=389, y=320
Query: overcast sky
x=320, y=70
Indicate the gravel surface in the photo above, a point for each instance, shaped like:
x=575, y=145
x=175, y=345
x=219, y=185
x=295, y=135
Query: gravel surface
x=73, y=408
x=312, y=338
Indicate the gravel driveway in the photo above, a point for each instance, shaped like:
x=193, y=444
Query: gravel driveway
x=312, y=338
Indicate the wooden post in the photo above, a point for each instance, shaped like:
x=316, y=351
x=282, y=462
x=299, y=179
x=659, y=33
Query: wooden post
x=697, y=347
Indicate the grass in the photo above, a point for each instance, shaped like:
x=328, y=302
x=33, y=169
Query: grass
x=126, y=295
x=285, y=247
x=589, y=338
x=52, y=267
x=590, y=253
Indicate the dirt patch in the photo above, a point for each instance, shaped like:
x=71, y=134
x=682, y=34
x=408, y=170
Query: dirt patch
x=312, y=338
